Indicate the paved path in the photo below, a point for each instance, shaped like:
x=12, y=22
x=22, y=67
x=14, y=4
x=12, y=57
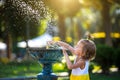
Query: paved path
x=60, y=75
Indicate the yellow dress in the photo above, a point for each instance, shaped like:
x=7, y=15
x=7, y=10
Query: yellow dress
x=79, y=77
x=80, y=74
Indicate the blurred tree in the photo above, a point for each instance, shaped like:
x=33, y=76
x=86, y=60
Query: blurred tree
x=104, y=6
x=19, y=18
x=69, y=8
x=64, y=8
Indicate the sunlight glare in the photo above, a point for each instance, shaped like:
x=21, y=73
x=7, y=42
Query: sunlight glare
x=66, y=1
x=81, y=1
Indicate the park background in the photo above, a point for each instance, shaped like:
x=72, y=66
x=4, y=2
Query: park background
x=22, y=21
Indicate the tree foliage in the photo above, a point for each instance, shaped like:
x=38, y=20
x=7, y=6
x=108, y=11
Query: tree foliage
x=64, y=7
x=17, y=14
x=20, y=19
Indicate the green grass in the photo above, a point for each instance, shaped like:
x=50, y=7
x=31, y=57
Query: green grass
x=19, y=69
x=15, y=69
x=112, y=76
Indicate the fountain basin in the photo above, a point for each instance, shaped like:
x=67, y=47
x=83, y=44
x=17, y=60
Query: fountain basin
x=46, y=57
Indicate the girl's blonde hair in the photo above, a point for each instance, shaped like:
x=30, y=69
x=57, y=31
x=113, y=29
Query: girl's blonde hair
x=89, y=49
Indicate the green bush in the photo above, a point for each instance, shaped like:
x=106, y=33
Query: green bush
x=104, y=57
x=117, y=57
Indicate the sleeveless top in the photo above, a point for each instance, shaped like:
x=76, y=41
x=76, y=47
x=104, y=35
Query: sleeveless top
x=80, y=74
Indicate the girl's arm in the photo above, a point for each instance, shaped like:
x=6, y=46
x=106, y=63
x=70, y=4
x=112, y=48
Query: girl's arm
x=68, y=62
x=70, y=65
x=63, y=44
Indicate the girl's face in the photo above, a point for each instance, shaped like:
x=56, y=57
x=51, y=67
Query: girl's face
x=79, y=49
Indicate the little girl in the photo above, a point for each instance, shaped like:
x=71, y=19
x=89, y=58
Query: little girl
x=85, y=50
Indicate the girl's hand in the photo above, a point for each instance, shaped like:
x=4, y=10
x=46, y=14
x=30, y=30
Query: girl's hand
x=50, y=42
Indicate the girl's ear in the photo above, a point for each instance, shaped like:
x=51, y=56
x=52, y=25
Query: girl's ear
x=83, y=53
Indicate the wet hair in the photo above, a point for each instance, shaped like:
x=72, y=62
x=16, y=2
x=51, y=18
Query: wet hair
x=89, y=49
